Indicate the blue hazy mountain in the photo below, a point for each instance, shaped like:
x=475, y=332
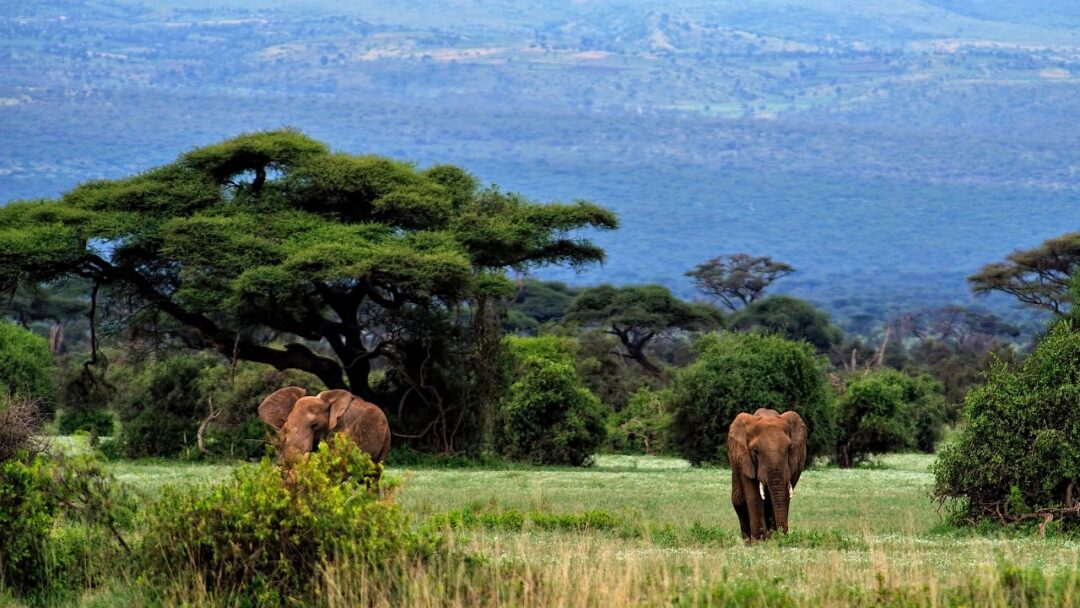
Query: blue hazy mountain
x=885, y=148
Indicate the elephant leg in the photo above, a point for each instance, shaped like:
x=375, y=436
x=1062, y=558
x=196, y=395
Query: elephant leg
x=738, y=500
x=770, y=515
x=755, y=507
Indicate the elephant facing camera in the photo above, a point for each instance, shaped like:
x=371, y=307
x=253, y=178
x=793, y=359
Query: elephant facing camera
x=767, y=453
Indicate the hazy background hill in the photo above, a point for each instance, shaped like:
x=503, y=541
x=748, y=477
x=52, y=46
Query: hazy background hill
x=885, y=148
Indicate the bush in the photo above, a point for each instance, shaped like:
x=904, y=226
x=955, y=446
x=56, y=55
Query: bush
x=549, y=416
x=94, y=421
x=26, y=517
x=1020, y=448
x=791, y=318
x=262, y=537
x=44, y=561
x=642, y=426
x=740, y=373
x=25, y=365
x=236, y=392
x=887, y=411
x=160, y=406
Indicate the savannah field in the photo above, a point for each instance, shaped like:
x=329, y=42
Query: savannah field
x=634, y=530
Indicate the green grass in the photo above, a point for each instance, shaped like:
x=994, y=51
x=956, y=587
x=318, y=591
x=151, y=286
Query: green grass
x=644, y=530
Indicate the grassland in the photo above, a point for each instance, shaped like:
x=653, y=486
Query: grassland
x=654, y=531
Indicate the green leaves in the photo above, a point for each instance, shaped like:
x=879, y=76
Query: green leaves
x=273, y=231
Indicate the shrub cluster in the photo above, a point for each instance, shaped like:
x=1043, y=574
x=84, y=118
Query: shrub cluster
x=162, y=402
x=741, y=372
x=261, y=537
x=1020, y=448
x=549, y=417
x=886, y=411
x=45, y=562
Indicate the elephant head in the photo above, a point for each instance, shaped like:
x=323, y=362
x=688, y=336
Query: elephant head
x=304, y=421
x=767, y=452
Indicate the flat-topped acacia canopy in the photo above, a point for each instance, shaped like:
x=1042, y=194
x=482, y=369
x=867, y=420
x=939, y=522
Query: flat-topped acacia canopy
x=272, y=235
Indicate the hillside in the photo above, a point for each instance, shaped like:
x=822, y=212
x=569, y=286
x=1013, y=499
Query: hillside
x=884, y=148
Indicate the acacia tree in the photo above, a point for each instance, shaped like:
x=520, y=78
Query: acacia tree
x=269, y=247
x=637, y=315
x=1037, y=277
x=737, y=279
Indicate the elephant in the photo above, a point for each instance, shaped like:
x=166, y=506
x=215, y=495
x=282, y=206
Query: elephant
x=304, y=421
x=767, y=451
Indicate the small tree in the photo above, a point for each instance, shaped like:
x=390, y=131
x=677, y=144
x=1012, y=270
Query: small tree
x=1037, y=277
x=639, y=314
x=1019, y=452
x=737, y=279
x=885, y=411
x=740, y=373
x=791, y=318
x=549, y=416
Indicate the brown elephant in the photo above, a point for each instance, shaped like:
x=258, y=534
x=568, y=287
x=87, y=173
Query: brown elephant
x=767, y=453
x=304, y=421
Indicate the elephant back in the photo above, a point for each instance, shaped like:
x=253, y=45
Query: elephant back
x=366, y=425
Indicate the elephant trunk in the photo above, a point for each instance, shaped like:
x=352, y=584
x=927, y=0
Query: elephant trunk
x=780, y=495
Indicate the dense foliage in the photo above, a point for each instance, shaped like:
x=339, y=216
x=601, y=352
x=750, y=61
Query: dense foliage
x=643, y=426
x=42, y=560
x=740, y=373
x=25, y=365
x=888, y=411
x=270, y=248
x=791, y=318
x=1018, y=450
x=262, y=537
x=549, y=416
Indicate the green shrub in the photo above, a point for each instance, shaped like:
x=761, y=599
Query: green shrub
x=44, y=561
x=886, y=411
x=26, y=517
x=549, y=417
x=25, y=366
x=261, y=537
x=161, y=404
x=642, y=427
x=1021, y=432
x=740, y=373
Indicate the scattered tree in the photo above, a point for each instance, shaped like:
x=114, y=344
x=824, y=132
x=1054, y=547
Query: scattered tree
x=737, y=279
x=639, y=314
x=1037, y=277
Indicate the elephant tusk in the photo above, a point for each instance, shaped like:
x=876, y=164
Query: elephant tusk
x=761, y=489
x=790, y=491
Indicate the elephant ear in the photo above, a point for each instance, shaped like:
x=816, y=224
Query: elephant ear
x=797, y=455
x=738, y=445
x=339, y=400
x=276, y=408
